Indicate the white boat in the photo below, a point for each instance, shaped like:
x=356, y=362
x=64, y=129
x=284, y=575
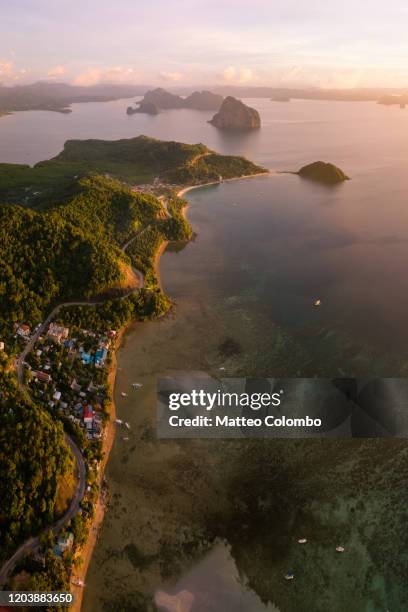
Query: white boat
x=302, y=541
x=289, y=576
x=123, y=394
x=118, y=422
x=317, y=302
x=125, y=438
x=127, y=425
x=340, y=549
x=137, y=385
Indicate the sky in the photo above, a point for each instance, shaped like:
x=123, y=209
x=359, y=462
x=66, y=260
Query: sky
x=288, y=43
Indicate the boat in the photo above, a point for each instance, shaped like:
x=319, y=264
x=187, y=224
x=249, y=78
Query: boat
x=125, y=438
x=317, y=302
x=127, y=425
x=118, y=422
x=340, y=549
x=302, y=541
x=289, y=576
x=123, y=394
x=137, y=385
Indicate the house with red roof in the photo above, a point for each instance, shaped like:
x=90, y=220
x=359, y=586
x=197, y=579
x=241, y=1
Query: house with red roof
x=88, y=416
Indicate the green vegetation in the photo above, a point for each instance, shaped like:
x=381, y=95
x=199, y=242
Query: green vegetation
x=134, y=160
x=177, y=227
x=116, y=313
x=63, y=227
x=210, y=167
x=323, y=172
x=68, y=252
x=62, y=241
x=46, y=574
x=53, y=578
x=29, y=480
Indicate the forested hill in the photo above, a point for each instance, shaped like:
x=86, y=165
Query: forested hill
x=67, y=252
x=33, y=458
x=134, y=160
x=62, y=224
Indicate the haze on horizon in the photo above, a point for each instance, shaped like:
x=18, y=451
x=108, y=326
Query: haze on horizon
x=286, y=43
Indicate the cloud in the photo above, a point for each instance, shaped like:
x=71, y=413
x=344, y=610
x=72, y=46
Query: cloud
x=56, y=71
x=237, y=75
x=8, y=73
x=116, y=74
x=6, y=68
x=171, y=76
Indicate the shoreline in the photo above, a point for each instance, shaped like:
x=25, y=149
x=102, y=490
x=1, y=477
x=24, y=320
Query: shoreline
x=96, y=524
x=227, y=180
x=156, y=261
x=94, y=528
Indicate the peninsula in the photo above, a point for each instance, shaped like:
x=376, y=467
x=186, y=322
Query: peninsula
x=79, y=240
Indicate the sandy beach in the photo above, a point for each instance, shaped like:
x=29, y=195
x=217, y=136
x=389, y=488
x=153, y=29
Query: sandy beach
x=235, y=178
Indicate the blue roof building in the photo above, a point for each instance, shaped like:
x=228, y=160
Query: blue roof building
x=100, y=356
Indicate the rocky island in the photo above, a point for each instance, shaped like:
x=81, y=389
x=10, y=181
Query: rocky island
x=323, y=172
x=163, y=99
x=235, y=115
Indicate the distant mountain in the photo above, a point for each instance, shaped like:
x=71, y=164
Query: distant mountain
x=198, y=100
x=235, y=115
x=59, y=96
x=389, y=100
x=203, y=100
x=163, y=99
x=359, y=94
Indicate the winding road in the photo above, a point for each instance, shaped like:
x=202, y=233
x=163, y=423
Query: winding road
x=32, y=544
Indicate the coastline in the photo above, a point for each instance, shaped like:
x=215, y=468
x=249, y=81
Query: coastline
x=227, y=180
x=96, y=524
x=156, y=263
x=86, y=552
